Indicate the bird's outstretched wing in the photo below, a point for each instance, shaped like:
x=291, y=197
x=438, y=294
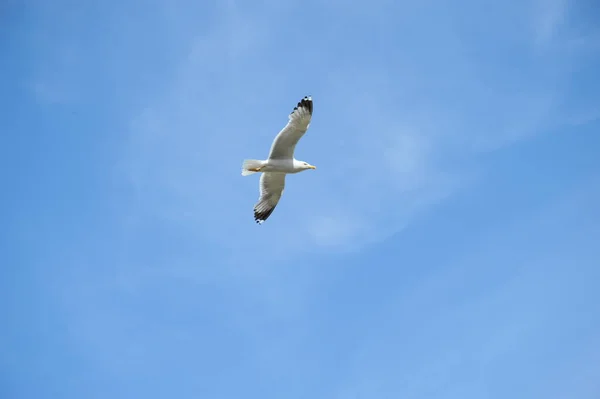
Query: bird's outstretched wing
x=271, y=187
x=299, y=120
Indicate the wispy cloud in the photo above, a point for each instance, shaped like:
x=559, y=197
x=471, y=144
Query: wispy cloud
x=549, y=16
x=453, y=330
x=443, y=247
x=389, y=160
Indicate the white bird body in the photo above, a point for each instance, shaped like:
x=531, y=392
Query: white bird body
x=274, y=166
x=281, y=160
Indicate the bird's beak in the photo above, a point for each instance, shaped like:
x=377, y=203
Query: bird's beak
x=312, y=167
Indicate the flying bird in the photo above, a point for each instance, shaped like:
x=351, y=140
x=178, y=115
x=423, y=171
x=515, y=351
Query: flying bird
x=281, y=160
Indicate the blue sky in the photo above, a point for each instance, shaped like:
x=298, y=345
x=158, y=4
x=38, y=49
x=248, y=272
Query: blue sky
x=444, y=247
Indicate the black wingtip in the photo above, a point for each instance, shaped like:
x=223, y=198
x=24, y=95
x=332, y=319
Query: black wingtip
x=306, y=102
x=260, y=217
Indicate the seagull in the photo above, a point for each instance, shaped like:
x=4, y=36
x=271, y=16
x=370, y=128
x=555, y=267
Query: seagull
x=281, y=160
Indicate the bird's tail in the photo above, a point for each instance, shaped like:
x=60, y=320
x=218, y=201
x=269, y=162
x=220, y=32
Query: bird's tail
x=250, y=165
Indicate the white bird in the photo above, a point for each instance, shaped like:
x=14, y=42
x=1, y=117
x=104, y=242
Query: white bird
x=281, y=160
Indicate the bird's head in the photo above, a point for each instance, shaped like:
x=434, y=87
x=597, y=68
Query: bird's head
x=306, y=165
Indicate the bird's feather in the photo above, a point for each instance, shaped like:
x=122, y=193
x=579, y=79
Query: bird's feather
x=298, y=122
x=271, y=189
